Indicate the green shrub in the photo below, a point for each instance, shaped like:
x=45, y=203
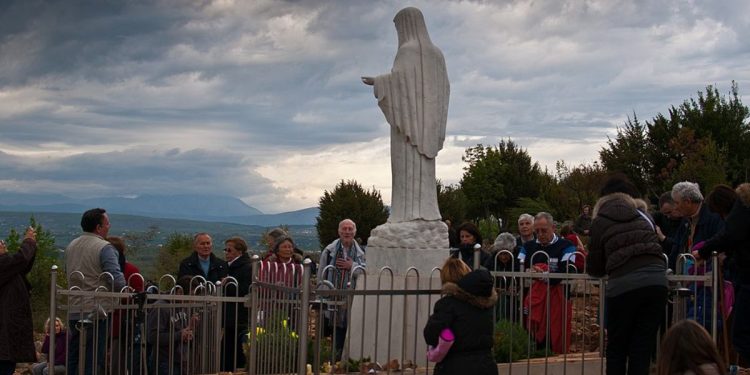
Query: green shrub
x=326, y=351
x=513, y=343
x=276, y=346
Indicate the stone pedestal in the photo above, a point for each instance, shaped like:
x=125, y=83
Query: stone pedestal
x=399, y=246
x=390, y=327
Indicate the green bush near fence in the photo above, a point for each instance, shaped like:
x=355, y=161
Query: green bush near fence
x=326, y=351
x=513, y=343
x=276, y=346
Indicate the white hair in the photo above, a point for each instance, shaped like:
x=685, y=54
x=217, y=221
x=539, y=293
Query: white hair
x=504, y=241
x=546, y=216
x=687, y=190
x=526, y=217
x=342, y=222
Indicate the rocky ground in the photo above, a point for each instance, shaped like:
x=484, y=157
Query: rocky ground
x=585, y=325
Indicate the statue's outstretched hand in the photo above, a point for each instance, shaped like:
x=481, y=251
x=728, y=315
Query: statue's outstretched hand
x=368, y=81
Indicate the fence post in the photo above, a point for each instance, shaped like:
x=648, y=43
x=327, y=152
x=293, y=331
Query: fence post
x=304, y=314
x=252, y=339
x=219, y=324
x=716, y=279
x=477, y=255
x=52, y=317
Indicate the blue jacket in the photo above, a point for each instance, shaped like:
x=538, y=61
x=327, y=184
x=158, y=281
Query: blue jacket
x=561, y=253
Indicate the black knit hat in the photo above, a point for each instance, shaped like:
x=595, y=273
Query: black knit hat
x=477, y=282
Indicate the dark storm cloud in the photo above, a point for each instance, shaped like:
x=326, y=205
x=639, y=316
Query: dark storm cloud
x=189, y=88
x=138, y=171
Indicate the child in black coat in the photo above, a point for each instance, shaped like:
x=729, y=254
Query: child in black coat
x=466, y=309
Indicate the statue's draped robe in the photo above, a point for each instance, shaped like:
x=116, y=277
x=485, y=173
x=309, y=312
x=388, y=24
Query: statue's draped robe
x=414, y=100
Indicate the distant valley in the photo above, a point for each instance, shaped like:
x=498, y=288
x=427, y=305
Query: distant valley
x=66, y=226
x=222, y=217
x=215, y=208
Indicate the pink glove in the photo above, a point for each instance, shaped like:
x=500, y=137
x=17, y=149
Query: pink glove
x=697, y=249
x=445, y=341
x=699, y=246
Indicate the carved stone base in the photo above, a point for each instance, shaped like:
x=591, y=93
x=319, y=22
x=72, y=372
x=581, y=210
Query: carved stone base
x=417, y=234
x=420, y=244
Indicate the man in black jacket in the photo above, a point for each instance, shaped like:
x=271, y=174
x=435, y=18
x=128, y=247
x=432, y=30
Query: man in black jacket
x=202, y=262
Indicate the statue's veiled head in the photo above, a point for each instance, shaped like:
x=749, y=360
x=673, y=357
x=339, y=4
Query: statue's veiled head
x=410, y=25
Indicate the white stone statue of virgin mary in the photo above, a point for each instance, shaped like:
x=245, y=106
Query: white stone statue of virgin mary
x=414, y=100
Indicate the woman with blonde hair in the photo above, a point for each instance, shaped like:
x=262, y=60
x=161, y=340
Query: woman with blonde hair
x=453, y=270
x=61, y=339
x=687, y=349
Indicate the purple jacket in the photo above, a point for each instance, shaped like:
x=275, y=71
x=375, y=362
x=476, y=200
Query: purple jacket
x=61, y=341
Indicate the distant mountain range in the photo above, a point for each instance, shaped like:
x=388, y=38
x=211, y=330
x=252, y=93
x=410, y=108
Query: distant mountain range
x=216, y=208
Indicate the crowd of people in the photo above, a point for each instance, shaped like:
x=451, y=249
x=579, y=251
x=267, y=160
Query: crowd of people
x=636, y=248
x=619, y=237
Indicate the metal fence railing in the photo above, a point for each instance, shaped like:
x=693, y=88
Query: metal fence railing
x=291, y=323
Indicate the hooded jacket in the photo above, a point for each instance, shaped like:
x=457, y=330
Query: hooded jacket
x=622, y=238
x=466, y=309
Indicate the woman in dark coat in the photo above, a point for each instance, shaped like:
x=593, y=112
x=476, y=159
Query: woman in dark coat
x=624, y=245
x=16, y=327
x=466, y=309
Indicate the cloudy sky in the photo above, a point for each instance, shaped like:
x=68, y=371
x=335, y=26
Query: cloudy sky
x=262, y=99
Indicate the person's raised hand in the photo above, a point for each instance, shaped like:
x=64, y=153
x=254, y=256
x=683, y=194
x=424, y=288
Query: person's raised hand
x=30, y=233
x=345, y=264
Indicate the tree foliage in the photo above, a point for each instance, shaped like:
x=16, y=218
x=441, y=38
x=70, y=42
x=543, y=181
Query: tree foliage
x=177, y=247
x=700, y=161
x=713, y=116
x=452, y=202
x=138, y=242
x=349, y=200
x=529, y=206
x=552, y=196
x=579, y=186
x=625, y=154
x=705, y=139
x=496, y=177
